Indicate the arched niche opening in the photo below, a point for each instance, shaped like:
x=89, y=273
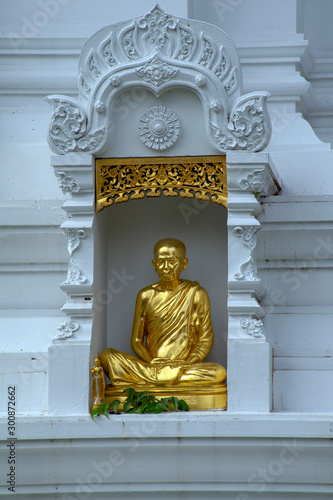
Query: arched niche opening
x=125, y=236
x=135, y=102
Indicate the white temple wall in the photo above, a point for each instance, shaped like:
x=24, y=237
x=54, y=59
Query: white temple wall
x=270, y=59
x=40, y=50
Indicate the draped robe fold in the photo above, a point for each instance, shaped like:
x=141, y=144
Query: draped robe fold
x=177, y=326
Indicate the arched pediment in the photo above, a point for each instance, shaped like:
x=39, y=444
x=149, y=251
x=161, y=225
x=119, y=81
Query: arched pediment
x=159, y=52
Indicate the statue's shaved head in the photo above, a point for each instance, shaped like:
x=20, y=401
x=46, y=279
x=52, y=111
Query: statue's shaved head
x=171, y=243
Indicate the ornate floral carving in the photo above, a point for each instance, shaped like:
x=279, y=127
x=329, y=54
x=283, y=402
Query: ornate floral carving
x=253, y=181
x=74, y=275
x=249, y=122
x=151, y=48
x=67, y=329
x=187, y=44
x=93, y=67
x=99, y=106
x=159, y=128
x=223, y=140
x=68, y=122
x=67, y=183
x=107, y=53
x=115, y=80
x=247, y=234
x=215, y=106
x=120, y=180
x=207, y=53
x=201, y=80
x=91, y=141
x=231, y=83
x=249, y=125
x=68, y=129
x=253, y=327
x=223, y=66
x=86, y=88
x=74, y=237
x=248, y=272
x=156, y=72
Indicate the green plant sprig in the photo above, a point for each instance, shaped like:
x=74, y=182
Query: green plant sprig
x=141, y=402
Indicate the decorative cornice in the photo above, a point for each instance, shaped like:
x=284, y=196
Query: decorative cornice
x=159, y=51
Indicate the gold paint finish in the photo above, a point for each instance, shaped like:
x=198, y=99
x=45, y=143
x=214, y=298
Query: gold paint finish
x=98, y=385
x=172, y=335
x=121, y=179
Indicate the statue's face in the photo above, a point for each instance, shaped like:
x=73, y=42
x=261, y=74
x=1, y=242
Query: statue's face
x=169, y=263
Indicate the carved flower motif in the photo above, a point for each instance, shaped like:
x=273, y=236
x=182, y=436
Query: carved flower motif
x=253, y=327
x=215, y=106
x=201, y=80
x=66, y=329
x=162, y=176
x=159, y=127
x=156, y=72
x=115, y=80
x=99, y=107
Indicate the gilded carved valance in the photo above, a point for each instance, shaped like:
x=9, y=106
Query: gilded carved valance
x=122, y=179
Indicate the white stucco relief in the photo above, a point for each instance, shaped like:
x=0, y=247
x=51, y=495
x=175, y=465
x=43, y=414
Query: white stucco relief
x=159, y=52
x=67, y=329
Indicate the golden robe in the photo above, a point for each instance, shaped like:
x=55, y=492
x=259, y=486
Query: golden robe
x=176, y=327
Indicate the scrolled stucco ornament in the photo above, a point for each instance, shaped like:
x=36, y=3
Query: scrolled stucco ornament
x=159, y=52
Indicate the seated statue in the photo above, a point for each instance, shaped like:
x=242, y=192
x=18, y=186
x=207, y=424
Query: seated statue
x=172, y=334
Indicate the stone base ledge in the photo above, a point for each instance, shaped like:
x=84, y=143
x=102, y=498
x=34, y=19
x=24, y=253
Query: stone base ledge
x=193, y=424
x=201, y=455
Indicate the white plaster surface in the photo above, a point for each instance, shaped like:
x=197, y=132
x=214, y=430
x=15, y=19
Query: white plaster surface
x=200, y=455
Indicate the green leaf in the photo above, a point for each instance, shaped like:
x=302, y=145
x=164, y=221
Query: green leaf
x=127, y=406
x=114, y=405
x=100, y=410
x=143, y=406
x=94, y=412
x=142, y=396
x=175, y=402
x=138, y=409
x=141, y=402
x=165, y=403
x=182, y=405
x=131, y=395
x=155, y=407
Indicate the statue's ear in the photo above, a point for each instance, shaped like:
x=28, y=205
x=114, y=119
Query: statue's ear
x=154, y=264
x=184, y=264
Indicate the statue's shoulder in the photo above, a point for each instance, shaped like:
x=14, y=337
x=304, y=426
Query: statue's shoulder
x=200, y=292
x=191, y=284
x=147, y=291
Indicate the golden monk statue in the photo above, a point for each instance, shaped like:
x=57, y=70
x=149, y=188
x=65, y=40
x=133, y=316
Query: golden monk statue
x=172, y=335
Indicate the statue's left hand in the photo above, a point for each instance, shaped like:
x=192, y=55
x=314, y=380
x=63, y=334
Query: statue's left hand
x=171, y=362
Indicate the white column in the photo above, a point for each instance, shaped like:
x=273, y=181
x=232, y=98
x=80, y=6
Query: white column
x=69, y=355
x=250, y=178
